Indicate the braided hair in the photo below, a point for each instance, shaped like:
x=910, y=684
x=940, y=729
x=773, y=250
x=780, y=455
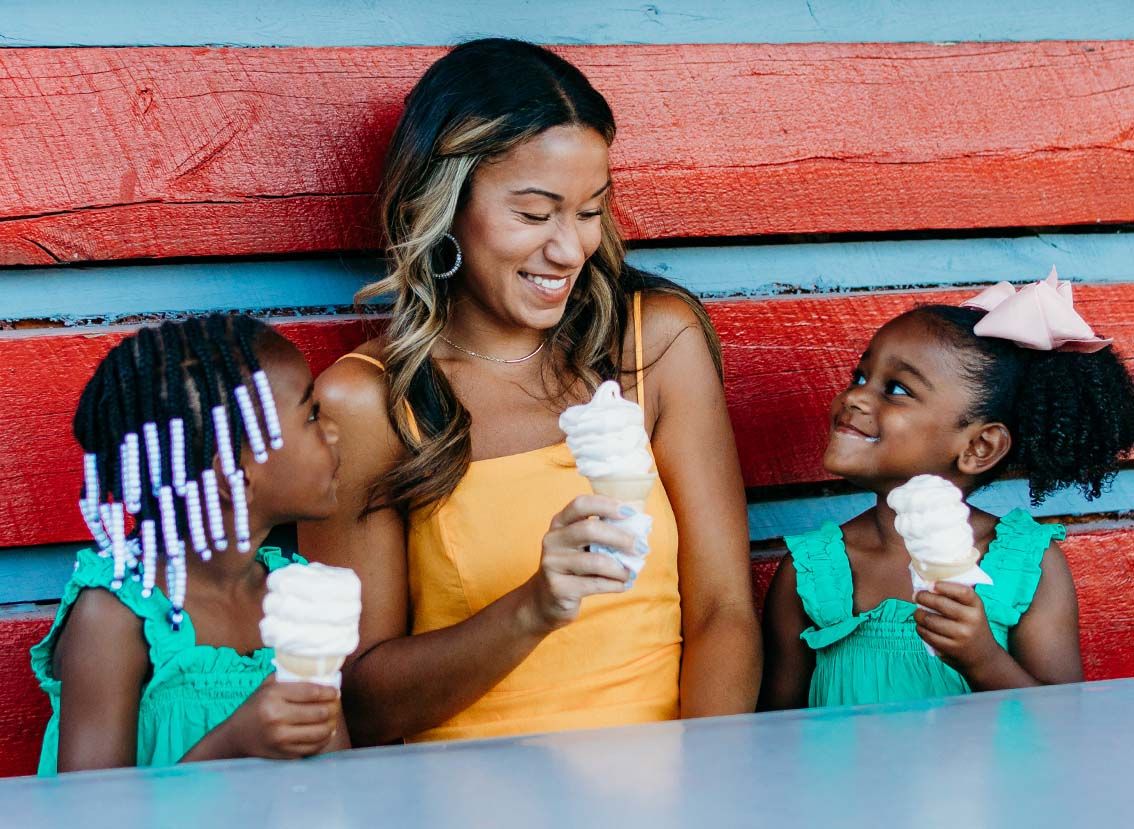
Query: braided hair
x=166, y=401
x=1070, y=414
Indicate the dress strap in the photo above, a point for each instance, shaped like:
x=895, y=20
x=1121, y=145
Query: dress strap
x=366, y=358
x=639, y=369
x=1013, y=561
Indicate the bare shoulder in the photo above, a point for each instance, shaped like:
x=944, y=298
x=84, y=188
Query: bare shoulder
x=101, y=627
x=352, y=386
x=666, y=320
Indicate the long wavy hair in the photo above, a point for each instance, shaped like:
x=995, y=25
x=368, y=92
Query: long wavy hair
x=482, y=99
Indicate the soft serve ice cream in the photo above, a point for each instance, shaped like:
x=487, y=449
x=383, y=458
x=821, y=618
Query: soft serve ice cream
x=311, y=617
x=607, y=437
x=933, y=519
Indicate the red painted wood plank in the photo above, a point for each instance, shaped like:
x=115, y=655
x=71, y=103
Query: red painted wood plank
x=1101, y=562
x=785, y=359
x=24, y=709
x=144, y=152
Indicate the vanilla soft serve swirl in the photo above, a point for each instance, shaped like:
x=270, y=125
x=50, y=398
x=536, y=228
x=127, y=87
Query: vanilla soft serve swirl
x=607, y=436
x=312, y=610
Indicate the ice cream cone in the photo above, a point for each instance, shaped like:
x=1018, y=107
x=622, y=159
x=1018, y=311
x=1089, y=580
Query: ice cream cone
x=307, y=668
x=630, y=489
x=944, y=572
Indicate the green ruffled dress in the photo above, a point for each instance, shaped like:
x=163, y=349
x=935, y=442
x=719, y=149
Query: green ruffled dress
x=877, y=656
x=192, y=688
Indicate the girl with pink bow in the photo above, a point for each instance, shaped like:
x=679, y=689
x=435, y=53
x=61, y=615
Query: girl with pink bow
x=1010, y=382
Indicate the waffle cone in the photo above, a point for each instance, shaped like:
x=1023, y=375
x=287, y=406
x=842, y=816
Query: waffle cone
x=309, y=667
x=944, y=572
x=630, y=489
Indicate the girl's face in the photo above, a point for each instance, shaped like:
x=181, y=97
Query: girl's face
x=298, y=480
x=531, y=222
x=902, y=413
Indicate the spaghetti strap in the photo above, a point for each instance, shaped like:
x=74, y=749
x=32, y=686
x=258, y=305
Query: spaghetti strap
x=639, y=369
x=409, y=409
x=365, y=357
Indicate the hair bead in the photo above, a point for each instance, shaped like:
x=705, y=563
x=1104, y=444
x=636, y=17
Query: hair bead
x=177, y=453
x=268, y=405
x=213, y=507
x=153, y=454
x=224, y=440
x=196, y=522
x=251, y=424
x=240, y=511
x=149, y=556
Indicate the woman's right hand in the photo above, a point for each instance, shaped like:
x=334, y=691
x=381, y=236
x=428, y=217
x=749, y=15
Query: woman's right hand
x=567, y=572
x=284, y=720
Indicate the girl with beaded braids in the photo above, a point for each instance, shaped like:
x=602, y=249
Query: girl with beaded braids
x=1011, y=382
x=155, y=656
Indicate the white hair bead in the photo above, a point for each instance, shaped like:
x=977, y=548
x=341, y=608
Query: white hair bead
x=240, y=512
x=149, y=556
x=268, y=405
x=196, y=522
x=251, y=424
x=213, y=507
x=224, y=440
x=177, y=453
x=153, y=454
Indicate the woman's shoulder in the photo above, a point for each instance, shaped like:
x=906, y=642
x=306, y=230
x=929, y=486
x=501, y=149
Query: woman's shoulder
x=665, y=317
x=355, y=384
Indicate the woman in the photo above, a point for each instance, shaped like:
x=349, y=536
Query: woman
x=460, y=507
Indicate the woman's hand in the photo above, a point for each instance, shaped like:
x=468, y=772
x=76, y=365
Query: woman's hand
x=567, y=573
x=284, y=720
x=952, y=621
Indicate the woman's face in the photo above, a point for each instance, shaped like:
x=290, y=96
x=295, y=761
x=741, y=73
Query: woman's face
x=532, y=220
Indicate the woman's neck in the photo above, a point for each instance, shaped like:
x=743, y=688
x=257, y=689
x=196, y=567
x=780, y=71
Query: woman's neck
x=474, y=328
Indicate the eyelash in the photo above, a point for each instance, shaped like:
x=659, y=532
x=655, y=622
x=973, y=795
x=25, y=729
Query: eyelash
x=858, y=375
x=314, y=416
x=540, y=218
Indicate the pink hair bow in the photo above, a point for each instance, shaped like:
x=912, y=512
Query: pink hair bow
x=1040, y=316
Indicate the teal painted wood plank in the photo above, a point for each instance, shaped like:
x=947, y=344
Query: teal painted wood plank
x=382, y=22
x=106, y=293
x=36, y=574
x=775, y=519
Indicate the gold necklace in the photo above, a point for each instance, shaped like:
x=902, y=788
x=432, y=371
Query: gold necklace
x=472, y=353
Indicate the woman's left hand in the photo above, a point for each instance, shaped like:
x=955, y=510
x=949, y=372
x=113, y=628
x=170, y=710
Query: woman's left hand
x=951, y=619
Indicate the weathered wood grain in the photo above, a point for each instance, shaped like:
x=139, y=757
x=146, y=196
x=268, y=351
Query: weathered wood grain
x=138, y=153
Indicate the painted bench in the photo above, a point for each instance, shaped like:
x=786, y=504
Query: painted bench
x=809, y=191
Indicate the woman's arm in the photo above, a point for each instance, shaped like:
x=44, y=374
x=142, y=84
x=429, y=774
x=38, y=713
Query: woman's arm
x=102, y=661
x=1044, y=646
x=397, y=685
x=789, y=663
x=696, y=458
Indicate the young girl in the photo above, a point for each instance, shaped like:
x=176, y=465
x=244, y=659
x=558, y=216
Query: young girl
x=149, y=665
x=1010, y=382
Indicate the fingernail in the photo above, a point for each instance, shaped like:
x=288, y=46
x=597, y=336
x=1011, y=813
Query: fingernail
x=627, y=511
x=641, y=547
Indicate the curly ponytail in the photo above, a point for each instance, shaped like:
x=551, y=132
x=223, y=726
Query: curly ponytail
x=1071, y=415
